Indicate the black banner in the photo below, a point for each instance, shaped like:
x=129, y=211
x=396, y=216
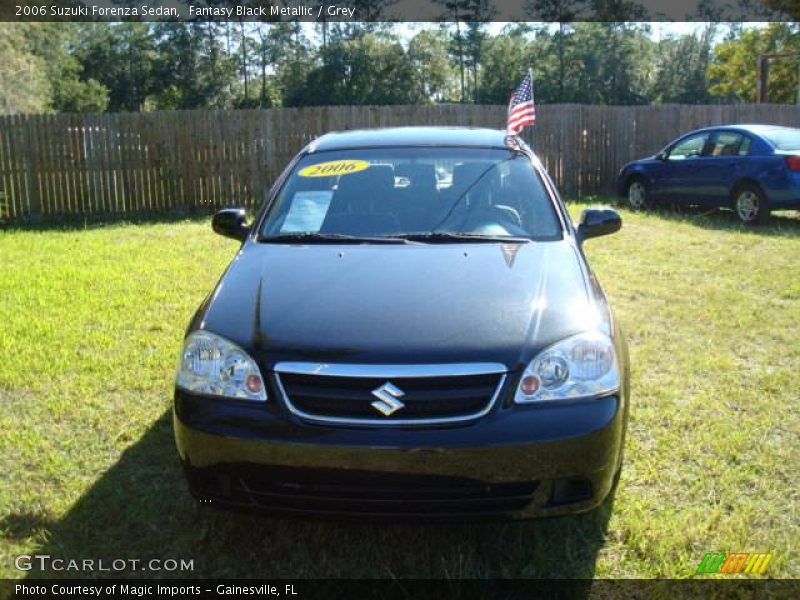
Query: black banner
x=399, y=10
x=401, y=589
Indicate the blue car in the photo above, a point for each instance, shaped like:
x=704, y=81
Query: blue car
x=752, y=169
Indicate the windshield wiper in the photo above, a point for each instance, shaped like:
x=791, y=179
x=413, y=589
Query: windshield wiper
x=447, y=236
x=469, y=189
x=310, y=237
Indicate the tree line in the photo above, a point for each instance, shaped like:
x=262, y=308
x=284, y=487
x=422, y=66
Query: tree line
x=135, y=66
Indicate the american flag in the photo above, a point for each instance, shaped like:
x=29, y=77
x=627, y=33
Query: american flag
x=521, y=109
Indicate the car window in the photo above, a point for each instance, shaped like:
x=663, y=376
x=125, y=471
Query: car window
x=729, y=143
x=392, y=191
x=744, y=148
x=688, y=147
x=784, y=139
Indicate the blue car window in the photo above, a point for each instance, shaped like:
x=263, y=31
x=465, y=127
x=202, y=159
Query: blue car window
x=727, y=143
x=744, y=148
x=689, y=147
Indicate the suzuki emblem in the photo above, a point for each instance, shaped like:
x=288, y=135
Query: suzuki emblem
x=388, y=399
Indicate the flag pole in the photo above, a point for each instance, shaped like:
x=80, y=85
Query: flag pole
x=533, y=97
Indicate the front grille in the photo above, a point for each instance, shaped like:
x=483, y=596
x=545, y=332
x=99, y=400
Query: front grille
x=414, y=399
x=360, y=493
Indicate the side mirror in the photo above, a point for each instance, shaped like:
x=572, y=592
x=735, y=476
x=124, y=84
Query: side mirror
x=662, y=156
x=232, y=223
x=598, y=221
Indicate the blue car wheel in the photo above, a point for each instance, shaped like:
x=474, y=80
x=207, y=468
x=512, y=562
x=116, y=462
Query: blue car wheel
x=637, y=194
x=750, y=205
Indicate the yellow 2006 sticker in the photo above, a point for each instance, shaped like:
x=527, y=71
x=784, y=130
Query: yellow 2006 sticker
x=333, y=168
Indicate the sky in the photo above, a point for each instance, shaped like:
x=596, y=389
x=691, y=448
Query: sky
x=658, y=30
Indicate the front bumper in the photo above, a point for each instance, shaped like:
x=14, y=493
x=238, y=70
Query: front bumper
x=517, y=461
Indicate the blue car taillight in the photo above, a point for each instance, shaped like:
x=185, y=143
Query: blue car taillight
x=793, y=162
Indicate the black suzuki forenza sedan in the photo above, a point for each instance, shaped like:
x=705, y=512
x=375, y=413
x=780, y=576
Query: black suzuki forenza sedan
x=409, y=328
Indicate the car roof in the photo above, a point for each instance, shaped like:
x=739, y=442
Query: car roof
x=411, y=136
x=754, y=128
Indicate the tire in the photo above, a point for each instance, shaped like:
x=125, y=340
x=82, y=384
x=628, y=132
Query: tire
x=750, y=204
x=637, y=194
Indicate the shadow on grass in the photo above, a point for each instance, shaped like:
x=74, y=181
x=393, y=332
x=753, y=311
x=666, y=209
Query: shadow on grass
x=23, y=525
x=78, y=223
x=140, y=508
x=781, y=223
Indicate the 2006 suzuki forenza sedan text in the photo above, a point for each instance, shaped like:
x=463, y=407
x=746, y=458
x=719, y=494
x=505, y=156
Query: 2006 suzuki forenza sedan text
x=409, y=328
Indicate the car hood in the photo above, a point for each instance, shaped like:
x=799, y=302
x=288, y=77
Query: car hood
x=406, y=304
x=639, y=161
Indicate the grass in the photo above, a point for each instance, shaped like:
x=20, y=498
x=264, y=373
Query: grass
x=90, y=331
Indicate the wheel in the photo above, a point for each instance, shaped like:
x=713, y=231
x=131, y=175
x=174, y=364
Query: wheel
x=637, y=194
x=750, y=204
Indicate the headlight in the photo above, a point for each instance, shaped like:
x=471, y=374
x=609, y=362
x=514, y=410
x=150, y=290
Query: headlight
x=212, y=365
x=579, y=366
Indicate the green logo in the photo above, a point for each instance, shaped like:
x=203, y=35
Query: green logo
x=734, y=562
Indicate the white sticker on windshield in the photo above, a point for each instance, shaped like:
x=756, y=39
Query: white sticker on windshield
x=307, y=211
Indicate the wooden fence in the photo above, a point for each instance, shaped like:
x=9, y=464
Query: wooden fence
x=70, y=164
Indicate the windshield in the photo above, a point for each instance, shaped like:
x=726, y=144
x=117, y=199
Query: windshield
x=397, y=192
x=784, y=139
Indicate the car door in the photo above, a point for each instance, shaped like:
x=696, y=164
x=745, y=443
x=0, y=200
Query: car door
x=722, y=164
x=677, y=181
